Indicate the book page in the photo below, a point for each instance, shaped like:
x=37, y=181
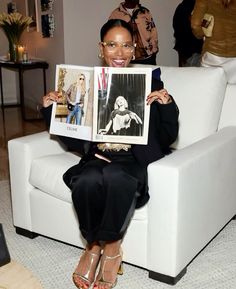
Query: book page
x=121, y=114
x=72, y=114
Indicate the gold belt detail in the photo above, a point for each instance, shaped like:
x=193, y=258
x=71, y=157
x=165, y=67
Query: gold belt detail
x=113, y=147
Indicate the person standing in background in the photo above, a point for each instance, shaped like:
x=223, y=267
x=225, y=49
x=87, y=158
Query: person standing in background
x=220, y=48
x=189, y=47
x=144, y=30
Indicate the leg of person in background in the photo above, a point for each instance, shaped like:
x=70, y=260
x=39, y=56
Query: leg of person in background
x=182, y=59
x=227, y=63
x=194, y=60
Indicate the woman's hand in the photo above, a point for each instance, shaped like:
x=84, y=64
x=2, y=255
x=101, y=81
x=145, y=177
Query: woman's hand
x=160, y=96
x=49, y=98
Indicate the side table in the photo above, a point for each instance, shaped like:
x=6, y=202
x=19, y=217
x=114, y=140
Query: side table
x=21, y=67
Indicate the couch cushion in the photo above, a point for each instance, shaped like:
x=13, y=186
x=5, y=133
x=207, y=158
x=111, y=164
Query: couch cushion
x=46, y=174
x=140, y=214
x=227, y=117
x=199, y=93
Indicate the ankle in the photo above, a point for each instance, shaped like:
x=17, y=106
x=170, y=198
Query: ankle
x=110, y=267
x=112, y=248
x=94, y=248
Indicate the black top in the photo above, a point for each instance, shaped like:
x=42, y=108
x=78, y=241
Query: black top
x=163, y=130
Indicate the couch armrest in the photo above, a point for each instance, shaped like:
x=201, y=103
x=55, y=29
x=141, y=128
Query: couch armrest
x=192, y=197
x=21, y=153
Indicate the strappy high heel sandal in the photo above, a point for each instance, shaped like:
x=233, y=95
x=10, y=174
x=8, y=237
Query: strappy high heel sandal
x=85, y=278
x=102, y=280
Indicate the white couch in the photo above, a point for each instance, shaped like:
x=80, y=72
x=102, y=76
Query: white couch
x=193, y=190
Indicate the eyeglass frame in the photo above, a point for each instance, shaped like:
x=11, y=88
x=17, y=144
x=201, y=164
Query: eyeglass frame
x=118, y=44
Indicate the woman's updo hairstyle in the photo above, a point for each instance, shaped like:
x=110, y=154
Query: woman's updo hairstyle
x=114, y=23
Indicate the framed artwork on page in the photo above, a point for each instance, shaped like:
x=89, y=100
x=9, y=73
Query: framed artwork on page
x=32, y=10
x=46, y=5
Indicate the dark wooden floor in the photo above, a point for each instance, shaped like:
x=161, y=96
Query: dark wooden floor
x=12, y=126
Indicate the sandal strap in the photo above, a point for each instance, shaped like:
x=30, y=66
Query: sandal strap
x=108, y=258
x=111, y=257
x=92, y=254
x=85, y=277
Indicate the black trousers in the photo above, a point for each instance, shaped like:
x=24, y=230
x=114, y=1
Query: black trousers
x=104, y=195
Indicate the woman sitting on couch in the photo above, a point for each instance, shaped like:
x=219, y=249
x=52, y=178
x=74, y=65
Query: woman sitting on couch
x=111, y=179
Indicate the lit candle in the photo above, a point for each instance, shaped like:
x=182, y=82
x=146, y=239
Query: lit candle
x=20, y=52
x=25, y=56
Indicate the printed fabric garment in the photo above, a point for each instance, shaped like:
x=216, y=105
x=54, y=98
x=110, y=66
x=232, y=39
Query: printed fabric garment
x=143, y=20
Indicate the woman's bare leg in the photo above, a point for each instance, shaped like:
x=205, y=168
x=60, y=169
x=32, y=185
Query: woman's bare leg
x=109, y=265
x=84, y=273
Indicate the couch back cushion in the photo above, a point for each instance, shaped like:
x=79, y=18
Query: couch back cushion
x=199, y=93
x=228, y=115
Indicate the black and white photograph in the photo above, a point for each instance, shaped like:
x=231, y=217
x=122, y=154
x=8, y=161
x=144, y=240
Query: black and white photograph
x=121, y=104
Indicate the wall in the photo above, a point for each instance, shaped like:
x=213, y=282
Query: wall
x=10, y=92
x=83, y=19
x=77, y=32
x=50, y=49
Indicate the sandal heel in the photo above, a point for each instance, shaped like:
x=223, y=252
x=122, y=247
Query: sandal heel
x=121, y=269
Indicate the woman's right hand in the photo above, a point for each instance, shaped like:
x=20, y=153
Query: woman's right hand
x=49, y=98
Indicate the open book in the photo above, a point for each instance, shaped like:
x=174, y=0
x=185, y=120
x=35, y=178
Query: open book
x=102, y=104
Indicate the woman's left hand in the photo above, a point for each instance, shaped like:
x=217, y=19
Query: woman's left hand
x=160, y=96
x=49, y=98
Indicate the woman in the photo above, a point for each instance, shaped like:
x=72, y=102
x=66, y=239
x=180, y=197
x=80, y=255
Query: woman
x=111, y=179
x=75, y=99
x=220, y=48
x=121, y=119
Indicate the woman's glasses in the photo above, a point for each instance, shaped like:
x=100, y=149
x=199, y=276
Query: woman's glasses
x=111, y=46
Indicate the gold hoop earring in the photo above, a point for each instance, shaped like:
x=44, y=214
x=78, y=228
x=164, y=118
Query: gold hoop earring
x=133, y=57
x=100, y=55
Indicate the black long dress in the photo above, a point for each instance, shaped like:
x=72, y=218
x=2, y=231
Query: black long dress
x=105, y=194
